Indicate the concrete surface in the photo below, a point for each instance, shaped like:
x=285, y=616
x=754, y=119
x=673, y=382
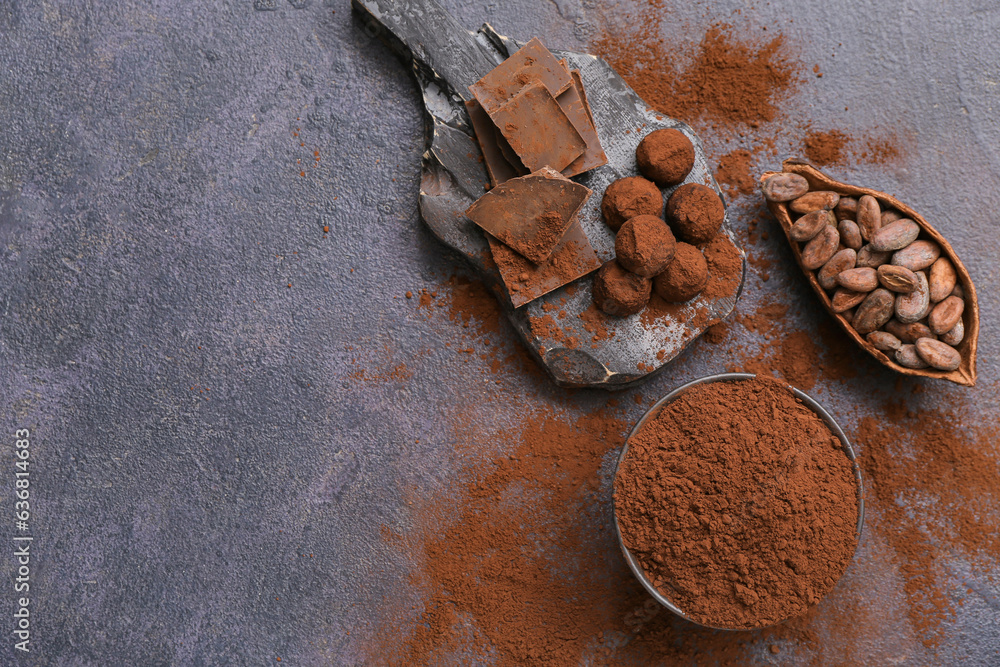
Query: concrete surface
x=209, y=472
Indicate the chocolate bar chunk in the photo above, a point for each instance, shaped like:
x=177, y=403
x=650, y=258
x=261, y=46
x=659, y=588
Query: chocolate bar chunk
x=573, y=258
x=498, y=166
x=533, y=62
x=573, y=104
x=531, y=213
x=538, y=129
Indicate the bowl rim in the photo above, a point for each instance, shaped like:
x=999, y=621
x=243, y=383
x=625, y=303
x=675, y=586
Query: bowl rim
x=810, y=402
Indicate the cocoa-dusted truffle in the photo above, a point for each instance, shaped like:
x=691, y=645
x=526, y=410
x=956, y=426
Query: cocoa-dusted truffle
x=645, y=245
x=620, y=292
x=629, y=197
x=695, y=212
x=665, y=156
x=685, y=277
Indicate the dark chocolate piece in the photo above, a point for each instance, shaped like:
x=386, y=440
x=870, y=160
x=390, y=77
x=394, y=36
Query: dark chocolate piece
x=538, y=129
x=499, y=168
x=531, y=213
x=572, y=103
x=533, y=62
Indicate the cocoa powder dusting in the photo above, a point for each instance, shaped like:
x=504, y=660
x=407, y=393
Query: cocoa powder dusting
x=735, y=172
x=739, y=503
x=823, y=148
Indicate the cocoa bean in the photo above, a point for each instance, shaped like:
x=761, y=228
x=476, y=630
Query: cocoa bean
x=850, y=235
x=958, y=291
x=868, y=256
x=907, y=357
x=891, y=215
x=946, y=315
x=937, y=354
x=785, y=187
x=864, y=279
x=874, y=311
x=914, y=306
x=897, y=278
x=846, y=209
x=942, y=279
x=808, y=226
x=848, y=315
x=883, y=340
x=814, y=201
x=841, y=261
x=896, y=235
x=869, y=217
x=917, y=256
x=844, y=299
x=908, y=333
x=819, y=251
x=955, y=336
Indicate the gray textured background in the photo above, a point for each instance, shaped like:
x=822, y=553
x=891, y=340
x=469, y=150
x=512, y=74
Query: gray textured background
x=152, y=217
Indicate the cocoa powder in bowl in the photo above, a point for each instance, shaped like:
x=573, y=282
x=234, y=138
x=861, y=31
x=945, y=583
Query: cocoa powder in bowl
x=738, y=503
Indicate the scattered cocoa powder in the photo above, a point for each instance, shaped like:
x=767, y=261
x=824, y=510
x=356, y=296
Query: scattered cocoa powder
x=735, y=172
x=823, y=148
x=739, y=503
x=725, y=268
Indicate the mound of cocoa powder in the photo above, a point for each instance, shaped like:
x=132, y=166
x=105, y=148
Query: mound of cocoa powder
x=739, y=503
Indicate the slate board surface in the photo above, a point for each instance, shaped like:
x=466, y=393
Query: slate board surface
x=152, y=216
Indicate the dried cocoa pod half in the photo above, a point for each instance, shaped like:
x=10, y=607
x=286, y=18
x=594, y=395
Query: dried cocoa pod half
x=850, y=235
x=942, y=279
x=864, y=279
x=849, y=208
x=808, y=226
x=814, y=201
x=907, y=357
x=897, y=278
x=883, y=340
x=895, y=236
x=840, y=262
x=937, y=354
x=818, y=252
x=868, y=256
x=914, y=306
x=946, y=315
x=784, y=187
x=917, y=256
x=874, y=311
x=869, y=216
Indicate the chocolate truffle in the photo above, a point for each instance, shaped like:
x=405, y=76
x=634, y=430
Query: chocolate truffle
x=619, y=292
x=665, y=156
x=685, y=277
x=645, y=245
x=695, y=212
x=629, y=197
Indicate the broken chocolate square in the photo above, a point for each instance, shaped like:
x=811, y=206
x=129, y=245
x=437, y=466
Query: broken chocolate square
x=573, y=104
x=532, y=213
x=538, y=129
x=498, y=166
x=573, y=258
x=533, y=62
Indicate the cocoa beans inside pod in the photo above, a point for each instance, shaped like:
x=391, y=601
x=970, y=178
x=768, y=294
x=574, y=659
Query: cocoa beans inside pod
x=955, y=336
x=908, y=333
x=784, y=187
x=937, y=354
x=840, y=262
x=869, y=217
x=946, y=315
x=917, y=256
x=897, y=278
x=850, y=235
x=890, y=216
x=819, y=251
x=814, y=201
x=868, y=256
x=907, y=357
x=858, y=280
x=808, y=226
x=914, y=306
x=874, y=311
x=846, y=209
x=895, y=236
x=883, y=340
x=942, y=279
x=844, y=299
